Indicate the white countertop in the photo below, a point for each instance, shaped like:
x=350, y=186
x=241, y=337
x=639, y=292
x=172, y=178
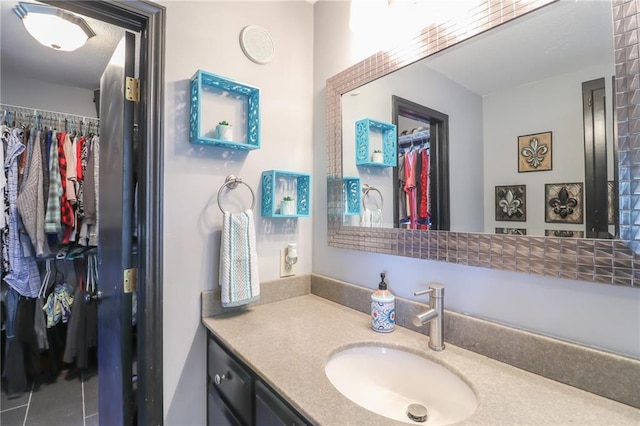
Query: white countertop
x=287, y=344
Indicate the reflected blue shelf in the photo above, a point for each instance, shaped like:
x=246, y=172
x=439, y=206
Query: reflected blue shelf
x=351, y=190
x=365, y=145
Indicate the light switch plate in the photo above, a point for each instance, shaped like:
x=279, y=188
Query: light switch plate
x=284, y=271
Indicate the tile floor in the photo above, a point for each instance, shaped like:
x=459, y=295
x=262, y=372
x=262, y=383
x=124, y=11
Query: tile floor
x=65, y=402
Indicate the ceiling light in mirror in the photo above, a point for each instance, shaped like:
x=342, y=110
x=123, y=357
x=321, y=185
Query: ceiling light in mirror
x=383, y=24
x=53, y=27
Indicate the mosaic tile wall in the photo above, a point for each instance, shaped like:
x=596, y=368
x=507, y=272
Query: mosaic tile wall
x=601, y=261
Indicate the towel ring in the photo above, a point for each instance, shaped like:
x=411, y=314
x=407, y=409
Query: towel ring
x=232, y=182
x=365, y=191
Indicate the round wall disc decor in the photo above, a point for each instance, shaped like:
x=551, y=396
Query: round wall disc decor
x=256, y=44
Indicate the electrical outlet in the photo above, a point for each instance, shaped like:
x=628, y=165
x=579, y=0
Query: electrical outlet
x=286, y=270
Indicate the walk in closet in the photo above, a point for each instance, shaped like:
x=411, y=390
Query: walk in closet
x=50, y=231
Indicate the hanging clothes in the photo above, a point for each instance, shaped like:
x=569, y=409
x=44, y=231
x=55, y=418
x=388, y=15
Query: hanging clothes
x=4, y=230
x=23, y=274
x=89, y=229
x=425, y=185
x=401, y=195
x=31, y=199
x=21, y=350
x=53, y=224
x=410, y=186
x=83, y=324
x=43, y=192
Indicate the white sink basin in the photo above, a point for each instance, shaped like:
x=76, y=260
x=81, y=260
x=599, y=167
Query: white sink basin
x=387, y=381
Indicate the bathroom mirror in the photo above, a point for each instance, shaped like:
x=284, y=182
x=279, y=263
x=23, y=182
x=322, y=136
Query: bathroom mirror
x=491, y=93
x=598, y=260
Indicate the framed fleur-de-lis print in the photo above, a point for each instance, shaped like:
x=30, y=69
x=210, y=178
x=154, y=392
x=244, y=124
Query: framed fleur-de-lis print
x=534, y=152
x=564, y=202
x=511, y=203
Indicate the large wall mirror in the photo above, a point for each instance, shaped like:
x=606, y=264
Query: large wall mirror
x=504, y=153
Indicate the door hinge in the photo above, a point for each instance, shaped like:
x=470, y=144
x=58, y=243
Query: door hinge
x=132, y=89
x=590, y=102
x=130, y=280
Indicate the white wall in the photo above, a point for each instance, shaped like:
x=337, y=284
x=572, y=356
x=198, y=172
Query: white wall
x=555, y=105
x=204, y=35
x=597, y=315
x=26, y=92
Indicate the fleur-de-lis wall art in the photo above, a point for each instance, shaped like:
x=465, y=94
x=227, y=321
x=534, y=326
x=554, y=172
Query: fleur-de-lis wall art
x=534, y=152
x=511, y=231
x=563, y=233
x=564, y=202
x=612, y=202
x=511, y=203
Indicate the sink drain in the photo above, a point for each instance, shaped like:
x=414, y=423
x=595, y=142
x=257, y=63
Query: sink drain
x=417, y=413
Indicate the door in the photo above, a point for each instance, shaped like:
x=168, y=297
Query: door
x=595, y=155
x=438, y=123
x=115, y=239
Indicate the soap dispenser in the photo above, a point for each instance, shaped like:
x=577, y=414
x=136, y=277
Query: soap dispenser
x=383, y=308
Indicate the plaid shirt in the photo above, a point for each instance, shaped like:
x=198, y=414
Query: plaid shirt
x=52, y=224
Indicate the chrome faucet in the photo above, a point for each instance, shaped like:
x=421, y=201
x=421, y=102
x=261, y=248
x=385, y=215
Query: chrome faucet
x=434, y=315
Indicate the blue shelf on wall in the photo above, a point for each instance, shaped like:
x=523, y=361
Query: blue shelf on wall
x=351, y=190
x=217, y=88
x=386, y=142
x=276, y=184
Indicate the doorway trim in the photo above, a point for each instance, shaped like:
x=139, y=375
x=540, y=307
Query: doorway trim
x=148, y=19
x=439, y=153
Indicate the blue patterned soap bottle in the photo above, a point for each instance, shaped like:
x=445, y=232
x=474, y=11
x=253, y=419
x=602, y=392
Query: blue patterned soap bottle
x=383, y=308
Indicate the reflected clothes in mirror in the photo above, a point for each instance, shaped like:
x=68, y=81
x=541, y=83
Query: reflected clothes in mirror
x=413, y=203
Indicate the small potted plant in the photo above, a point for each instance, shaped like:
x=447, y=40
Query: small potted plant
x=287, y=206
x=224, y=131
x=377, y=157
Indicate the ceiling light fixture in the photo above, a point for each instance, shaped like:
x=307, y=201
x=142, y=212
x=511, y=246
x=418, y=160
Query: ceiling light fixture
x=53, y=27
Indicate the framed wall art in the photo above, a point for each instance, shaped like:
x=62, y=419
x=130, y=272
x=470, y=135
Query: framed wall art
x=534, y=152
x=563, y=233
x=511, y=231
x=511, y=203
x=564, y=202
x=612, y=202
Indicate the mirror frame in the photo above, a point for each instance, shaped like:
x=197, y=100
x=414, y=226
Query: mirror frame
x=596, y=260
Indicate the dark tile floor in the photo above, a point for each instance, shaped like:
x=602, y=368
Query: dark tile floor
x=66, y=402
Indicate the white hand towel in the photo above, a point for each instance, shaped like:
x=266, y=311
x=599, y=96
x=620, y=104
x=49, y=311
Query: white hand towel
x=239, y=260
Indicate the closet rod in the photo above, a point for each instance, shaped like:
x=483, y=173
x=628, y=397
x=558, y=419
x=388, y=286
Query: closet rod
x=35, y=112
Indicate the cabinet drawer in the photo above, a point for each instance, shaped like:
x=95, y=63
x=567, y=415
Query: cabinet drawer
x=218, y=414
x=272, y=411
x=232, y=382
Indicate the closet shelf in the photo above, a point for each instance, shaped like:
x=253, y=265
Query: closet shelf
x=413, y=138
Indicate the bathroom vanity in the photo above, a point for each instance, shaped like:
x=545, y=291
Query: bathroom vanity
x=278, y=352
x=237, y=395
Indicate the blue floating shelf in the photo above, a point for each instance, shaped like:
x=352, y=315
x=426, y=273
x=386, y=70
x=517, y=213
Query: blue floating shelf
x=207, y=85
x=351, y=190
x=276, y=184
x=387, y=142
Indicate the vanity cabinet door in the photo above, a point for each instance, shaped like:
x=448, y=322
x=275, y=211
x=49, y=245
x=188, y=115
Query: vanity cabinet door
x=272, y=411
x=232, y=382
x=217, y=412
